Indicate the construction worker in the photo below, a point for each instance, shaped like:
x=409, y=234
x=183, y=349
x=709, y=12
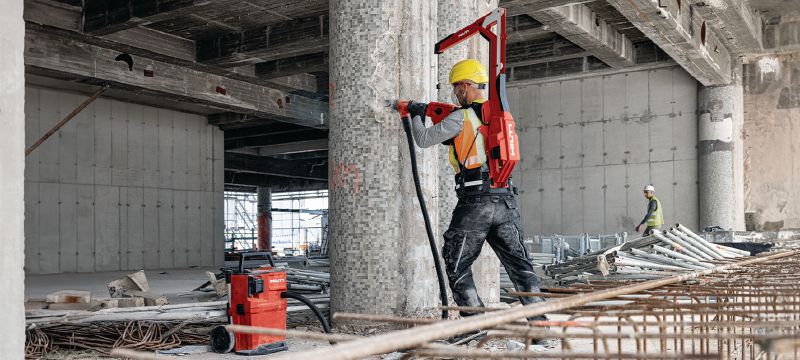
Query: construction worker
x=482, y=213
x=655, y=216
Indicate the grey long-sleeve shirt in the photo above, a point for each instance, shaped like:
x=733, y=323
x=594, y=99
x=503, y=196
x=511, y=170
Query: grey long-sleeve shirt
x=436, y=134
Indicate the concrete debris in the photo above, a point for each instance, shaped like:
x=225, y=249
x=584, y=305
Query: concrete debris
x=150, y=299
x=218, y=284
x=130, y=302
x=69, y=297
x=136, y=281
x=512, y=345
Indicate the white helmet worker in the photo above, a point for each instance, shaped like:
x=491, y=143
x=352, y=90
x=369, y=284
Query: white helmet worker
x=649, y=188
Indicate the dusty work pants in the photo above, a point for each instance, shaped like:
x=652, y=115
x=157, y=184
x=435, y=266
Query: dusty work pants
x=492, y=218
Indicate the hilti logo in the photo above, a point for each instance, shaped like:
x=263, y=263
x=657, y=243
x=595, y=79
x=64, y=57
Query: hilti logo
x=273, y=281
x=511, y=148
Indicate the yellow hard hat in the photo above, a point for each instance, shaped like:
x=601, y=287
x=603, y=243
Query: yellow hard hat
x=469, y=69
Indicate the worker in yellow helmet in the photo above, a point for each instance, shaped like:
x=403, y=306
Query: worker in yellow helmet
x=482, y=213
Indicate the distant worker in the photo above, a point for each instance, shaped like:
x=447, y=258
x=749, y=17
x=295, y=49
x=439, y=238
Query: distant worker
x=655, y=216
x=482, y=213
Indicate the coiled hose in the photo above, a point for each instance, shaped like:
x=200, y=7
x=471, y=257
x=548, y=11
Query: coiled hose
x=425, y=216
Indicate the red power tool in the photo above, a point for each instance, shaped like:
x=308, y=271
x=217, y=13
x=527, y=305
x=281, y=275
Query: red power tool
x=502, y=143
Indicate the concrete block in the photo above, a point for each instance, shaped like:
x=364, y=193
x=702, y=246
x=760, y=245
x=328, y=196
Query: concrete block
x=165, y=148
x=615, y=195
x=661, y=100
x=135, y=155
x=592, y=144
x=685, y=139
x=551, y=201
x=571, y=102
x=102, y=141
x=150, y=127
x=550, y=103
x=614, y=142
x=572, y=210
x=593, y=199
x=684, y=92
x=69, y=306
x=151, y=228
x=638, y=141
x=179, y=145
x=530, y=144
x=85, y=228
x=592, y=99
x=69, y=297
x=551, y=148
x=637, y=94
x=150, y=299
x=108, y=303
x=179, y=238
x=571, y=146
x=67, y=138
x=135, y=228
x=130, y=302
x=68, y=231
x=614, y=97
x=166, y=246
x=132, y=282
x=124, y=244
x=661, y=138
x=106, y=228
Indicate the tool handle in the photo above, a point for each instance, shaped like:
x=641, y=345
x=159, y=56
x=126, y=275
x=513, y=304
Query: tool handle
x=253, y=253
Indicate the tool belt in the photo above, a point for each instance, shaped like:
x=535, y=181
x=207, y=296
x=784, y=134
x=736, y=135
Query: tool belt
x=476, y=182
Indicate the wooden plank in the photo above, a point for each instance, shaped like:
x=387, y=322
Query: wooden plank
x=106, y=228
x=32, y=134
x=48, y=228
x=85, y=135
x=32, y=228
x=165, y=148
x=67, y=139
x=119, y=143
x=85, y=211
x=64, y=54
x=152, y=248
x=166, y=246
x=136, y=228
x=102, y=141
x=68, y=230
x=193, y=228
x=49, y=115
x=179, y=230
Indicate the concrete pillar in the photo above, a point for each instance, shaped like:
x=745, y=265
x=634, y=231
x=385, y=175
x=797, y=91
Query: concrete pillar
x=380, y=257
x=720, y=153
x=12, y=163
x=264, y=218
x=486, y=270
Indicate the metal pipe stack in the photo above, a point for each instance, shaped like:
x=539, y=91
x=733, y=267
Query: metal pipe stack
x=664, y=253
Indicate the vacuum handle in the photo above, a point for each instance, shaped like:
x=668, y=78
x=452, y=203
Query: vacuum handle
x=253, y=253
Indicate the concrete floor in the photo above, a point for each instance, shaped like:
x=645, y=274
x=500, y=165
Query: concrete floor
x=173, y=283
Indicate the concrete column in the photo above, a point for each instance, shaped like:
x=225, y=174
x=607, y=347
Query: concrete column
x=380, y=257
x=12, y=163
x=486, y=270
x=264, y=217
x=720, y=156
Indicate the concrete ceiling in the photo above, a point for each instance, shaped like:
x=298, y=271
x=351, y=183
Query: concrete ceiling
x=776, y=7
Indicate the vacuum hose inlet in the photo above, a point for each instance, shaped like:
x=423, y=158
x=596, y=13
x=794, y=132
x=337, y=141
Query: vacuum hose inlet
x=425, y=216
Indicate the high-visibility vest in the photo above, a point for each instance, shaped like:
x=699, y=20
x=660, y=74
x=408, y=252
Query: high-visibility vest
x=468, y=149
x=657, y=217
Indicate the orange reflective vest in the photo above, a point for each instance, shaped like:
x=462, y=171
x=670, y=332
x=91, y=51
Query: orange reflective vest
x=468, y=149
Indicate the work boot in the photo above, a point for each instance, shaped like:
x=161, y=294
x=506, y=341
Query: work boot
x=466, y=338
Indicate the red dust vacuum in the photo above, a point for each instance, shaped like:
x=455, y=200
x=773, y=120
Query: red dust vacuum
x=257, y=297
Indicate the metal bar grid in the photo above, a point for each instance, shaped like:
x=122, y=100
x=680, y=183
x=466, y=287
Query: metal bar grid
x=745, y=310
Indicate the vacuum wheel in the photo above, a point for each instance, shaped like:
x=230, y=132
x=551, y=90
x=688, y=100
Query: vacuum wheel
x=222, y=340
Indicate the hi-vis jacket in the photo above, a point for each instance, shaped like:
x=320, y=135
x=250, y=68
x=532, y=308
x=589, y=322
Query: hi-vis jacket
x=467, y=148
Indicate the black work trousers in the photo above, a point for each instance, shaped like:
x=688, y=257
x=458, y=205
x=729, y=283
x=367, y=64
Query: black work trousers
x=492, y=218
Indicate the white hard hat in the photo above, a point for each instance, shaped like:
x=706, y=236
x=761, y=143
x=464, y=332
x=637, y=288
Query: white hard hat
x=649, y=188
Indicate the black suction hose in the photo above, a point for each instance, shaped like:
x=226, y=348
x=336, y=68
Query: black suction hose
x=425, y=216
x=322, y=320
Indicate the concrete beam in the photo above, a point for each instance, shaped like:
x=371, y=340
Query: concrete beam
x=156, y=41
x=293, y=65
x=295, y=37
x=311, y=170
x=516, y=7
x=580, y=25
x=103, y=17
x=58, y=54
x=247, y=181
x=275, y=139
x=735, y=23
x=293, y=148
x=683, y=34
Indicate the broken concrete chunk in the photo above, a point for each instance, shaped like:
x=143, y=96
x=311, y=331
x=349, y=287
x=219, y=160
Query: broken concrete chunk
x=105, y=303
x=130, y=302
x=70, y=297
x=68, y=306
x=131, y=282
x=219, y=284
x=150, y=299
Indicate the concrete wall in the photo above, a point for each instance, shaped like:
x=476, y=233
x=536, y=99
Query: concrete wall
x=772, y=136
x=121, y=187
x=590, y=145
x=12, y=162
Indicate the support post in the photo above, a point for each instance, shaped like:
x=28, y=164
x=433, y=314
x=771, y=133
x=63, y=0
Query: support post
x=264, y=209
x=12, y=163
x=720, y=156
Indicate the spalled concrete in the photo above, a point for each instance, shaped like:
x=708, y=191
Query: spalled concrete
x=720, y=168
x=380, y=257
x=12, y=163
